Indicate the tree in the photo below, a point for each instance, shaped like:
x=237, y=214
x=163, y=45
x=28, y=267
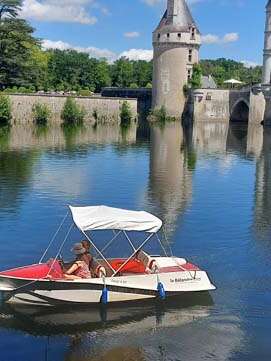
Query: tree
x=122, y=73
x=16, y=41
x=195, y=80
x=10, y=8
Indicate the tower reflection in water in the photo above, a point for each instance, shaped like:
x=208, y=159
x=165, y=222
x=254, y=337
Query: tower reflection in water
x=171, y=173
x=262, y=223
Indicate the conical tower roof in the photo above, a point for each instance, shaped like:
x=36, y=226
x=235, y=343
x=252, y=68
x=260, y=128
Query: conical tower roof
x=177, y=16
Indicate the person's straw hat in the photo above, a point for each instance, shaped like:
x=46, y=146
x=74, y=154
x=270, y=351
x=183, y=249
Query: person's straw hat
x=78, y=249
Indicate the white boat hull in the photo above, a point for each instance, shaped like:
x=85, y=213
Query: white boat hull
x=120, y=289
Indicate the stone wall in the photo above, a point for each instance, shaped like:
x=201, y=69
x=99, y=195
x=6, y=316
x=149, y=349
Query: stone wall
x=257, y=108
x=211, y=104
x=106, y=109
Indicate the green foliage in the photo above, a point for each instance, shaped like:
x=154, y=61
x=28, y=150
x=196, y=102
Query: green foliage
x=41, y=113
x=125, y=114
x=5, y=110
x=133, y=86
x=195, y=80
x=148, y=86
x=224, y=69
x=10, y=8
x=160, y=115
x=24, y=65
x=16, y=42
x=72, y=113
x=85, y=93
x=186, y=90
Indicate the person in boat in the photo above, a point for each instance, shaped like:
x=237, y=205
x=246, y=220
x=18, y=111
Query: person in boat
x=95, y=268
x=79, y=269
x=87, y=256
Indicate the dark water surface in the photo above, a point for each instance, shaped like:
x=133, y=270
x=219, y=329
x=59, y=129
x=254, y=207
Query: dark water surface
x=211, y=187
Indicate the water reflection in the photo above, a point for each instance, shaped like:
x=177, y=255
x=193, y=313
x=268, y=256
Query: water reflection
x=16, y=170
x=42, y=168
x=221, y=137
x=263, y=190
x=70, y=321
x=170, y=183
x=157, y=331
x=210, y=137
x=65, y=137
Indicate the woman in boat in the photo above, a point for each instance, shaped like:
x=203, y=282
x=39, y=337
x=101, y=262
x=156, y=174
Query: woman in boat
x=79, y=268
x=87, y=256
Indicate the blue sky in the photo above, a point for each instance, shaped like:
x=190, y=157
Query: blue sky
x=231, y=28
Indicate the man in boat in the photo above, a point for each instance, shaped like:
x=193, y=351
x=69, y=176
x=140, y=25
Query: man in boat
x=94, y=266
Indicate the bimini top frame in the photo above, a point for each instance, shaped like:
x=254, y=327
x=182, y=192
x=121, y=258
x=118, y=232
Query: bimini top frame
x=115, y=219
x=108, y=218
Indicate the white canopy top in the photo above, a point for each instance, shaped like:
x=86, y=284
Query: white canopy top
x=104, y=218
x=233, y=81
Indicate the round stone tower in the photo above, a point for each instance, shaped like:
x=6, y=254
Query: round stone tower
x=176, y=43
x=267, y=47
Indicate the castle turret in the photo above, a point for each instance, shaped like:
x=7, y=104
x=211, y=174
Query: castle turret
x=267, y=47
x=176, y=43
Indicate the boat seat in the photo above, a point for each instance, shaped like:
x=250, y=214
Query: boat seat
x=162, y=262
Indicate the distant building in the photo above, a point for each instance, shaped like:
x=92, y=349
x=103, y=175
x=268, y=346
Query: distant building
x=267, y=47
x=208, y=82
x=176, y=43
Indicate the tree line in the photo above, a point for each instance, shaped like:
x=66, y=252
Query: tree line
x=26, y=66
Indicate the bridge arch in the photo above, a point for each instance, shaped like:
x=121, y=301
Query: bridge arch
x=240, y=111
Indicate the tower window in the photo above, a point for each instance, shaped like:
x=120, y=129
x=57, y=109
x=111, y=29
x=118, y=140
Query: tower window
x=168, y=35
x=190, y=56
x=158, y=36
x=179, y=35
x=189, y=75
x=193, y=33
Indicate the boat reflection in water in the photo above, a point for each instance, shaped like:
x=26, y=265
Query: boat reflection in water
x=48, y=321
x=149, y=331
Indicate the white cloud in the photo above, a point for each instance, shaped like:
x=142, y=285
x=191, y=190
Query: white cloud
x=137, y=54
x=132, y=34
x=215, y=39
x=132, y=54
x=210, y=39
x=152, y=2
x=230, y=38
x=91, y=50
x=249, y=64
x=74, y=11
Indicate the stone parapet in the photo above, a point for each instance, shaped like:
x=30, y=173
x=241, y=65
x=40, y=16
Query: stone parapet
x=98, y=109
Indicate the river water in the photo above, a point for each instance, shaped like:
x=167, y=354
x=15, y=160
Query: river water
x=212, y=188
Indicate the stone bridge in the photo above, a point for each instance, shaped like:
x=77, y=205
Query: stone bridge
x=239, y=105
x=236, y=105
x=242, y=105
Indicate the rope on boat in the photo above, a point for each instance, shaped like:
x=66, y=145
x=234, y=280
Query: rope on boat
x=60, y=249
x=53, y=239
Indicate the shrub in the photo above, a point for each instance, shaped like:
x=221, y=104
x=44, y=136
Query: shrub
x=133, y=86
x=85, y=93
x=148, y=86
x=5, y=110
x=125, y=113
x=72, y=113
x=160, y=115
x=41, y=113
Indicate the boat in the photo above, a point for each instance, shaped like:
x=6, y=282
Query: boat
x=141, y=276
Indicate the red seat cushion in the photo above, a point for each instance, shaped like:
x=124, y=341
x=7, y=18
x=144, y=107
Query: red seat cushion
x=36, y=271
x=133, y=266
